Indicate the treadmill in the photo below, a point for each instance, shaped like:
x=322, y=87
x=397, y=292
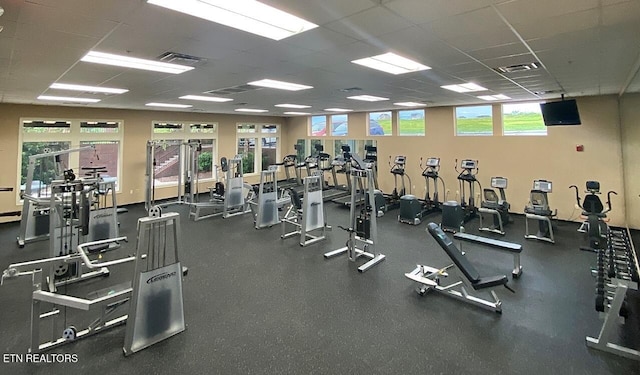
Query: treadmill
x=324, y=165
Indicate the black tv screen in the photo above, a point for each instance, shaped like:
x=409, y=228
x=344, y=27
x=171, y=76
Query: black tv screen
x=564, y=112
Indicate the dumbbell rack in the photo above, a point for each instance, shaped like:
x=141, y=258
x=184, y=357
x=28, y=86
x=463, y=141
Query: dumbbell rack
x=617, y=271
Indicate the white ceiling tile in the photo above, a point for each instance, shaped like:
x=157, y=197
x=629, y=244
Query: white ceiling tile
x=422, y=11
x=551, y=26
x=319, y=39
x=527, y=11
x=368, y=23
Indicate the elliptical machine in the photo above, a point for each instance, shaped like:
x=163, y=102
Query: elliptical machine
x=538, y=209
x=595, y=214
x=397, y=169
x=412, y=210
x=496, y=206
x=455, y=214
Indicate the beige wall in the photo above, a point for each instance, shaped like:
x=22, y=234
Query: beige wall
x=519, y=158
x=608, y=129
x=137, y=130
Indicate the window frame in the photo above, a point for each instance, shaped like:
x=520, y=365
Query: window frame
x=455, y=115
x=310, y=126
x=522, y=134
x=75, y=136
x=424, y=122
x=259, y=136
x=390, y=112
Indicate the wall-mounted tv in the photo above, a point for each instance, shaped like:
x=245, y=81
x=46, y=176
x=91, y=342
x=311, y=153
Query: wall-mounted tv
x=564, y=112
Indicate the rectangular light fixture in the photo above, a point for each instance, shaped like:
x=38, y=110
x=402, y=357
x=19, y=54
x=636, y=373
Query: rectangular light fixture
x=297, y=106
x=465, y=87
x=493, y=97
x=409, y=104
x=206, y=98
x=391, y=63
x=135, y=63
x=169, y=105
x=297, y=113
x=246, y=15
x=273, y=84
x=106, y=90
x=367, y=98
x=338, y=110
x=67, y=99
x=251, y=110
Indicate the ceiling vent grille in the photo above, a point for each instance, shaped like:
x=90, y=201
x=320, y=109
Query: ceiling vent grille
x=351, y=89
x=180, y=58
x=517, y=68
x=233, y=90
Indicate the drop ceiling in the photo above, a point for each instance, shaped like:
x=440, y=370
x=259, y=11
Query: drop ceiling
x=585, y=47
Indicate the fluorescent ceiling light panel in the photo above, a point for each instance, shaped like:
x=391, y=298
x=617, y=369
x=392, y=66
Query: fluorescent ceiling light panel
x=367, y=98
x=251, y=110
x=135, y=63
x=391, y=63
x=297, y=113
x=410, y=104
x=106, y=90
x=271, y=83
x=493, y=97
x=246, y=15
x=337, y=110
x=206, y=98
x=169, y=105
x=297, y=106
x=67, y=99
x=465, y=87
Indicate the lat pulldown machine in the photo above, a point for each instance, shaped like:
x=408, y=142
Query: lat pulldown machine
x=307, y=216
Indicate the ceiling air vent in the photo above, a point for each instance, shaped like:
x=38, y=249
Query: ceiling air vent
x=180, y=58
x=517, y=68
x=545, y=92
x=351, y=89
x=233, y=90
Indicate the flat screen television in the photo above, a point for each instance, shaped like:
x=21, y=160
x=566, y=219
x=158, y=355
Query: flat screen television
x=564, y=112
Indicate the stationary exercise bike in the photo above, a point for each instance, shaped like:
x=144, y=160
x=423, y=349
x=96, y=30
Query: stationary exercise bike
x=595, y=214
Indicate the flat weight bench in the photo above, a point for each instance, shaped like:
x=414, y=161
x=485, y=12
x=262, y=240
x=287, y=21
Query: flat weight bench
x=469, y=280
x=509, y=247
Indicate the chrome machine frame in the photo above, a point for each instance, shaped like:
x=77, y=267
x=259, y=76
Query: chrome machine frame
x=363, y=230
x=310, y=216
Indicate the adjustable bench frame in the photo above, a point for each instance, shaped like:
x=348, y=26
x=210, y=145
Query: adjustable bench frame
x=512, y=248
x=467, y=280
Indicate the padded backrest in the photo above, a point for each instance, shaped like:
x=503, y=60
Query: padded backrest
x=592, y=204
x=224, y=165
x=490, y=196
x=456, y=256
x=295, y=199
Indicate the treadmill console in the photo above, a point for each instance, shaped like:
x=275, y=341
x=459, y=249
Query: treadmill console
x=400, y=160
x=468, y=164
x=499, y=182
x=433, y=162
x=542, y=185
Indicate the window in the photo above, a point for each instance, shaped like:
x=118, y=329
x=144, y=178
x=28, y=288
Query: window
x=522, y=119
x=339, y=125
x=46, y=135
x=411, y=122
x=379, y=123
x=167, y=151
x=476, y=120
x=258, y=139
x=318, y=126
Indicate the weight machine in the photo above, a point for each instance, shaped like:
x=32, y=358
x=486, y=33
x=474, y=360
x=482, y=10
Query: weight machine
x=363, y=230
x=157, y=308
x=34, y=223
x=538, y=209
x=269, y=201
x=306, y=216
x=496, y=206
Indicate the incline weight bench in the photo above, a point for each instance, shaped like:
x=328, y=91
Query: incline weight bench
x=470, y=280
x=509, y=247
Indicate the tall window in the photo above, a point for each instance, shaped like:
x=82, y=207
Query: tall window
x=318, y=126
x=379, y=123
x=46, y=135
x=522, y=119
x=339, y=125
x=474, y=120
x=167, y=151
x=258, y=140
x=411, y=122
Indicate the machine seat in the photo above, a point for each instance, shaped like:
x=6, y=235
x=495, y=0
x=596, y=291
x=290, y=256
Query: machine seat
x=490, y=282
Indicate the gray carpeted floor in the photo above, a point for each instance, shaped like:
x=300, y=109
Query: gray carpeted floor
x=256, y=304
